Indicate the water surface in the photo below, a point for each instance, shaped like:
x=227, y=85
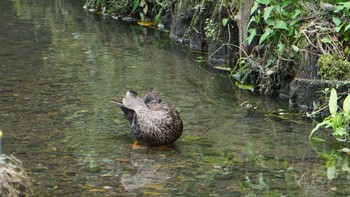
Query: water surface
x=61, y=66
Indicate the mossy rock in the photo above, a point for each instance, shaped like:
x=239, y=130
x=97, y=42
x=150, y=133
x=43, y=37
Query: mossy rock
x=331, y=67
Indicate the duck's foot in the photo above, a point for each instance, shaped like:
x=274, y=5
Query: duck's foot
x=164, y=147
x=136, y=145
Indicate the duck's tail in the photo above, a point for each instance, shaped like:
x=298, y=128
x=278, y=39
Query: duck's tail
x=128, y=113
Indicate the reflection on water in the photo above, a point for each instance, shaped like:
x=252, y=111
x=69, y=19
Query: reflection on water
x=59, y=69
x=148, y=172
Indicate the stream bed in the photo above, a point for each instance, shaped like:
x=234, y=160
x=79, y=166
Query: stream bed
x=60, y=67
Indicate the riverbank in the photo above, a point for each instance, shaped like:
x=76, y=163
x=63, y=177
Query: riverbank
x=288, y=49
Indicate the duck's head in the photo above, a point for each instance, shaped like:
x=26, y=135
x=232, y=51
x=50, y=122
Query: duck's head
x=132, y=101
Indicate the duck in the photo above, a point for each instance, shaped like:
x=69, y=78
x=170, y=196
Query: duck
x=153, y=122
x=14, y=181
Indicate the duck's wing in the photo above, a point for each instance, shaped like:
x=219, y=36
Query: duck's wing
x=128, y=113
x=135, y=128
x=152, y=97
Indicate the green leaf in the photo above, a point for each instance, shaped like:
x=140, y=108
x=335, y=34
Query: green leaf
x=338, y=28
x=264, y=2
x=252, y=34
x=295, y=48
x=270, y=22
x=281, y=25
x=224, y=68
x=333, y=106
x=347, y=27
x=157, y=18
x=331, y=170
x=339, y=132
x=245, y=87
x=266, y=35
x=337, y=121
x=267, y=12
x=295, y=13
x=136, y=5
x=253, y=9
x=252, y=19
x=346, y=106
x=326, y=40
x=280, y=47
x=224, y=22
x=338, y=8
x=293, y=22
x=346, y=4
x=336, y=21
x=286, y=3
x=285, y=13
x=321, y=124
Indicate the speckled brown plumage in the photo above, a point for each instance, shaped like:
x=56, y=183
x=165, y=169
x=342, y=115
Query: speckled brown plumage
x=152, y=121
x=13, y=179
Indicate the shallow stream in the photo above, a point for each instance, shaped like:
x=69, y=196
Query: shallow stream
x=61, y=66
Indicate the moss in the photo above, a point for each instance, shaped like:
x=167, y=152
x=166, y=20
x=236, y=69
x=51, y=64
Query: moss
x=331, y=67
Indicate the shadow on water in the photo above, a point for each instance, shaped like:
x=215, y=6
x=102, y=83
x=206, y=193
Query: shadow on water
x=59, y=69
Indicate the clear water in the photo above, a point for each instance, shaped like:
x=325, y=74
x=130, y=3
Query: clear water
x=61, y=66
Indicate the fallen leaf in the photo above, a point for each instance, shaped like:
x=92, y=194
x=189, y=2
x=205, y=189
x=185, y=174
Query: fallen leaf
x=146, y=23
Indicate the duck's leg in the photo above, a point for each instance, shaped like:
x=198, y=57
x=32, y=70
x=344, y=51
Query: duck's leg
x=164, y=147
x=136, y=145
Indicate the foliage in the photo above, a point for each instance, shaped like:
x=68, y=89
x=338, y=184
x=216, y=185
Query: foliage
x=211, y=29
x=338, y=120
x=122, y=7
x=279, y=21
x=341, y=20
x=283, y=30
x=326, y=64
x=337, y=162
x=137, y=9
x=272, y=60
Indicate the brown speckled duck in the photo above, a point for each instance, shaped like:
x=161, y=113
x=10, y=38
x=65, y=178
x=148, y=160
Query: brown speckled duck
x=14, y=181
x=152, y=121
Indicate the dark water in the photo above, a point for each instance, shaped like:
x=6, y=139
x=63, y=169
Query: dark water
x=59, y=69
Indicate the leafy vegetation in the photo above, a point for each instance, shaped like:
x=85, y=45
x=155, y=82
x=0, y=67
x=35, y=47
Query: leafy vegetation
x=282, y=31
x=338, y=120
x=336, y=160
x=279, y=21
x=138, y=9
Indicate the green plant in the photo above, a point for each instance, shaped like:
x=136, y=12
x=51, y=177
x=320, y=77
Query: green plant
x=211, y=29
x=338, y=120
x=326, y=64
x=342, y=22
x=279, y=22
x=336, y=162
x=333, y=31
